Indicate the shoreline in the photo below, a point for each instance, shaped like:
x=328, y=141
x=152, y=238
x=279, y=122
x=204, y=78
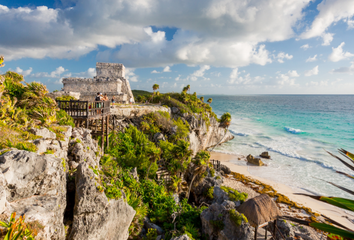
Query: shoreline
x=327, y=210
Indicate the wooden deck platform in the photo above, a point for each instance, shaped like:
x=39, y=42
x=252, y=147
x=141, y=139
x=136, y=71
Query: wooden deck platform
x=93, y=115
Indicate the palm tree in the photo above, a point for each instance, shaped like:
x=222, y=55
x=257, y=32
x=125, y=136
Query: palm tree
x=210, y=100
x=188, y=88
x=202, y=99
x=201, y=162
x=155, y=87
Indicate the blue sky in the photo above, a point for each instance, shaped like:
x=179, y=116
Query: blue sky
x=216, y=46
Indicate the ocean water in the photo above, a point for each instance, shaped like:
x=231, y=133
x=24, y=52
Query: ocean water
x=296, y=130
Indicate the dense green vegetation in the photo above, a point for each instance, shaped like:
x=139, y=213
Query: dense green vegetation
x=24, y=106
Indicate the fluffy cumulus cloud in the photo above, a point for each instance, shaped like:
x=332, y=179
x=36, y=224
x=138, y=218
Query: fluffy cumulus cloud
x=330, y=12
x=287, y=78
x=199, y=74
x=338, y=54
x=130, y=75
x=312, y=59
x=242, y=78
x=25, y=73
x=312, y=72
x=305, y=46
x=281, y=56
x=217, y=32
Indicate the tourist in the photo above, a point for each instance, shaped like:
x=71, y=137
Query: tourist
x=105, y=98
x=113, y=100
x=97, y=100
x=131, y=100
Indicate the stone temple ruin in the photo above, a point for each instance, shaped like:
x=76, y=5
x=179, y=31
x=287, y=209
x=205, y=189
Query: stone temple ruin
x=110, y=79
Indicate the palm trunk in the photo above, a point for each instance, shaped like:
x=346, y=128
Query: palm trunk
x=190, y=186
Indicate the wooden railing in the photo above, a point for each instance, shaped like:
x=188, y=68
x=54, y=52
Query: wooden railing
x=216, y=164
x=85, y=109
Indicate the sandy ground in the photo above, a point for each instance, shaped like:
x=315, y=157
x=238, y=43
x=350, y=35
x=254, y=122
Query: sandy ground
x=327, y=210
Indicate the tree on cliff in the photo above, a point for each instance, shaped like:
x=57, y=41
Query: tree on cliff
x=155, y=87
x=202, y=99
x=210, y=100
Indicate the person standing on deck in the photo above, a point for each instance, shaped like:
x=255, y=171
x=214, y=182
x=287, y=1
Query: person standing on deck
x=97, y=99
x=131, y=100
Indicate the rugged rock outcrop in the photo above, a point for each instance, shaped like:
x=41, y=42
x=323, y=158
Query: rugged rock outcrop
x=183, y=237
x=254, y=160
x=218, y=225
x=82, y=148
x=203, y=136
x=94, y=216
x=129, y=111
x=34, y=185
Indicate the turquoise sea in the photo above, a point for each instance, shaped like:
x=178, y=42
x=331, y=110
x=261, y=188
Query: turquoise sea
x=295, y=130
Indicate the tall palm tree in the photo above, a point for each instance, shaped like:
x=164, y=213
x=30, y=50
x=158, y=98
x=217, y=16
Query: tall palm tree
x=201, y=162
x=154, y=88
x=210, y=100
x=188, y=88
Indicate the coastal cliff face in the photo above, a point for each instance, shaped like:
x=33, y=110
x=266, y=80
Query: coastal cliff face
x=203, y=133
x=55, y=189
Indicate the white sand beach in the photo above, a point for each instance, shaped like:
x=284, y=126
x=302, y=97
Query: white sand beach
x=327, y=210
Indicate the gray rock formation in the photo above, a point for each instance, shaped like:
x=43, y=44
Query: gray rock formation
x=94, y=216
x=159, y=137
x=82, y=148
x=148, y=225
x=254, y=160
x=200, y=189
x=34, y=185
x=43, y=132
x=265, y=155
x=225, y=169
x=183, y=237
x=202, y=137
x=217, y=225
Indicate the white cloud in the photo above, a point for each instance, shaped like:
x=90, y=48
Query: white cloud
x=350, y=23
x=330, y=12
x=287, y=78
x=54, y=74
x=312, y=59
x=281, y=56
x=154, y=71
x=338, y=54
x=345, y=69
x=57, y=72
x=327, y=39
x=166, y=69
x=317, y=84
x=178, y=78
x=305, y=47
x=235, y=78
x=199, y=73
x=312, y=72
x=216, y=32
x=25, y=73
x=130, y=75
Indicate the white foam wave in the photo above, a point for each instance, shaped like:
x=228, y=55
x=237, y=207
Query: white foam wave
x=292, y=154
x=238, y=133
x=293, y=130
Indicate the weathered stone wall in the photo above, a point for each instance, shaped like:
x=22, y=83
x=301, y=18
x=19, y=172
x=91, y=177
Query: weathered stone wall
x=97, y=84
x=110, y=79
x=111, y=70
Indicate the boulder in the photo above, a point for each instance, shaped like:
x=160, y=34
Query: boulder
x=200, y=189
x=217, y=224
x=254, y=161
x=148, y=225
x=294, y=231
x=34, y=185
x=183, y=237
x=43, y=132
x=96, y=217
x=159, y=137
x=264, y=155
x=174, y=110
x=225, y=169
x=174, y=129
x=134, y=173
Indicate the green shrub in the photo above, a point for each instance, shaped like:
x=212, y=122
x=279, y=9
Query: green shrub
x=234, y=195
x=64, y=119
x=237, y=218
x=65, y=98
x=210, y=193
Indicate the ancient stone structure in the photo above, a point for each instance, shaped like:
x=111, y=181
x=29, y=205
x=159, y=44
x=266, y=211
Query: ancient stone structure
x=110, y=79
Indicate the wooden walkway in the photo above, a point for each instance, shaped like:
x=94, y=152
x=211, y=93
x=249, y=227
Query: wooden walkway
x=92, y=115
